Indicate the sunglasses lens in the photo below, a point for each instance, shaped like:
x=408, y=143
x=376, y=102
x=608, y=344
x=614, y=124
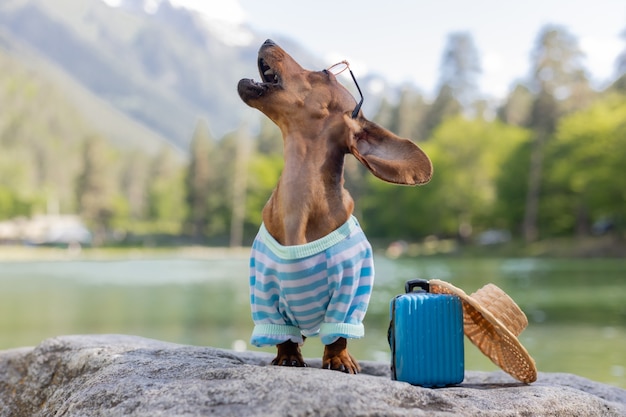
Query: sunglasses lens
x=338, y=68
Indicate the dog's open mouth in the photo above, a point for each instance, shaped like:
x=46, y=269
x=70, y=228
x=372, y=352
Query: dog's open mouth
x=270, y=81
x=268, y=75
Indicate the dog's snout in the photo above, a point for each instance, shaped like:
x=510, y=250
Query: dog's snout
x=269, y=42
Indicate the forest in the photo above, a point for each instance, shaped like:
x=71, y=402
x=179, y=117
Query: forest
x=545, y=162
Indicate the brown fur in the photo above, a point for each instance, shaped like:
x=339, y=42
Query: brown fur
x=313, y=111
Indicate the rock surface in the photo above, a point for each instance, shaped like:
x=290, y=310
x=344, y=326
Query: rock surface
x=112, y=375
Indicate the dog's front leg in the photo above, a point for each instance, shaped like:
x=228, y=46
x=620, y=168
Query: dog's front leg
x=289, y=355
x=336, y=357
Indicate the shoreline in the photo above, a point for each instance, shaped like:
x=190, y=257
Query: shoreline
x=600, y=247
x=15, y=253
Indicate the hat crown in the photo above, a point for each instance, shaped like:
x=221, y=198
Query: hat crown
x=502, y=307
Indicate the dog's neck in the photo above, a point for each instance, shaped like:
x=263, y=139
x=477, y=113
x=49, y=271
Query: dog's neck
x=309, y=201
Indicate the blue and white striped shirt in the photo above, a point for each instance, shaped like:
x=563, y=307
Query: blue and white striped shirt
x=322, y=287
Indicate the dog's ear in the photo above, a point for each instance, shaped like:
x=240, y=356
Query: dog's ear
x=386, y=155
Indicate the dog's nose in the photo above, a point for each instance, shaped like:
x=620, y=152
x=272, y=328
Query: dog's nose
x=269, y=42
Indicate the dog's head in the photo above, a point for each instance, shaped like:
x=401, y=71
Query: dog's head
x=313, y=105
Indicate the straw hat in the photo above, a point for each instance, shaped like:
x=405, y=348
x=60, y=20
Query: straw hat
x=492, y=321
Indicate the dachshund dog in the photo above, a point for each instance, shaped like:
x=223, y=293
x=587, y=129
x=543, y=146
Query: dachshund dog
x=311, y=268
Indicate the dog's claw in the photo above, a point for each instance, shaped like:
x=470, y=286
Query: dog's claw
x=350, y=368
x=337, y=358
x=286, y=362
x=289, y=355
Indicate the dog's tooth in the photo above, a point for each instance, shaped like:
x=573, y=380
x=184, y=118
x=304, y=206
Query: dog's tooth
x=269, y=72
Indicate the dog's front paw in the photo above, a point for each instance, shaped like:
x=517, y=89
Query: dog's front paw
x=337, y=358
x=289, y=355
x=343, y=363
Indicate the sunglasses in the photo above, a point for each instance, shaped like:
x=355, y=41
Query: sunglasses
x=337, y=69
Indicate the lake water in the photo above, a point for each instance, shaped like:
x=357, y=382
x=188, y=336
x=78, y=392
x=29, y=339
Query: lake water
x=576, y=308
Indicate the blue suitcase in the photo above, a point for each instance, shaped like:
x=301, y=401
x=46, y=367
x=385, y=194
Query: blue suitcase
x=426, y=337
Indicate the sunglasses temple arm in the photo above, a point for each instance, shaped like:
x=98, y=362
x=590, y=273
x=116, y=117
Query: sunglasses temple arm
x=358, y=107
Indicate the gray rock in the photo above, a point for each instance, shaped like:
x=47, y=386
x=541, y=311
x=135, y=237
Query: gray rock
x=111, y=375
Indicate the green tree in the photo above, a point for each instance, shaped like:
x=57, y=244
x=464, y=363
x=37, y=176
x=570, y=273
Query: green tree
x=561, y=86
x=620, y=66
x=385, y=116
x=269, y=140
x=511, y=188
x=166, y=193
x=12, y=204
x=264, y=171
x=517, y=108
x=134, y=178
x=460, y=68
x=557, y=63
x=41, y=137
x=95, y=188
x=407, y=117
x=239, y=185
x=458, y=82
x=444, y=106
x=200, y=174
x=220, y=198
x=621, y=59
x=582, y=184
x=468, y=157
x=264, y=165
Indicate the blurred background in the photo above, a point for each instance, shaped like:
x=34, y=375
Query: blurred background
x=132, y=177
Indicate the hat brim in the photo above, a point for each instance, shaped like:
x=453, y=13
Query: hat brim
x=492, y=337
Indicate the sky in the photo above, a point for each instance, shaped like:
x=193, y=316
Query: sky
x=403, y=40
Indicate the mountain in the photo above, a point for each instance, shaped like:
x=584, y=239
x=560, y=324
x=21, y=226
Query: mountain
x=142, y=75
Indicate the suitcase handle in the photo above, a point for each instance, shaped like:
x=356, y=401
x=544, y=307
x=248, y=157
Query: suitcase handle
x=421, y=283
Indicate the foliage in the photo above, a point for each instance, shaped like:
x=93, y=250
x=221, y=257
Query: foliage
x=40, y=138
x=517, y=108
x=460, y=68
x=264, y=171
x=166, y=194
x=468, y=156
x=511, y=189
x=560, y=83
x=95, y=189
x=444, y=106
x=198, y=180
x=551, y=127
x=409, y=116
x=583, y=183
